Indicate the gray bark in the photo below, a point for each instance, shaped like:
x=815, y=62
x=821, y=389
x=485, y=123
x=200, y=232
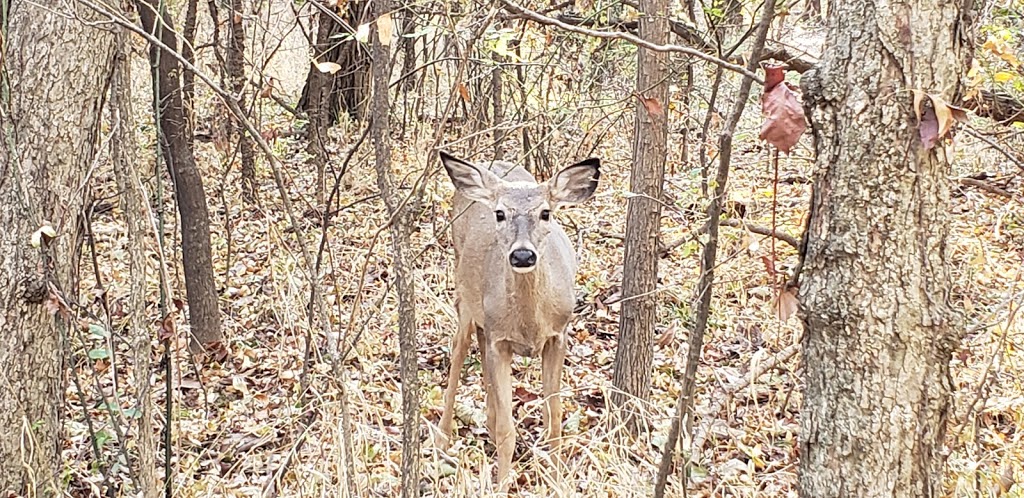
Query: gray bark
x=56, y=69
x=635, y=353
x=879, y=332
x=404, y=279
x=123, y=154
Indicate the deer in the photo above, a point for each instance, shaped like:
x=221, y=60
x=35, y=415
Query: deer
x=515, y=275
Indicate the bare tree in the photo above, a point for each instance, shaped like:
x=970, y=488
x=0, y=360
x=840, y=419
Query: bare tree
x=326, y=93
x=401, y=222
x=879, y=333
x=635, y=354
x=176, y=147
x=236, y=75
x=123, y=147
x=55, y=69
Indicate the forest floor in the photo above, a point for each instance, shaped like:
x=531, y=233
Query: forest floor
x=244, y=427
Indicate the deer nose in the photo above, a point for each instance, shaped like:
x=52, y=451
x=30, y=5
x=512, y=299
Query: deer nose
x=522, y=258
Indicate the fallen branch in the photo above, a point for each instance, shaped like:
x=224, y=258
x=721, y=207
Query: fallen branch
x=987, y=187
x=1000, y=107
x=763, y=230
x=722, y=398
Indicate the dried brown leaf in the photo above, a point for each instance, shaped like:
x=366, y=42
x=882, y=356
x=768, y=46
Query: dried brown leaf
x=786, y=304
x=784, y=122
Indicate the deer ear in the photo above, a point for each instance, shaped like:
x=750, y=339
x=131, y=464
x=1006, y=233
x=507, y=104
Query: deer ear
x=575, y=183
x=474, y=183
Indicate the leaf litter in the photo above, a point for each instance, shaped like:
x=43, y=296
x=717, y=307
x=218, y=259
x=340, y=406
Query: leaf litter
x=236, y=423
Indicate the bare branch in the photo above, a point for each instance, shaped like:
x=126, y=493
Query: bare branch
x=525, y=13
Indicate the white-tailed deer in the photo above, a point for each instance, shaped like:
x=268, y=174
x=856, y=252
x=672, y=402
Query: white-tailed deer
x=515, y=273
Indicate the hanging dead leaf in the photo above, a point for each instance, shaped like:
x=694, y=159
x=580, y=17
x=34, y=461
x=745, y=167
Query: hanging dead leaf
x=784, y=122
x=773, y=75
x=385, y=28
x=363, y=33
x=166, y=329
x=918, y=99
x=935, y=120
x=268, y=89
x=327, y=67
x=943, y=114
x=786, y=304
x=652, y=106
x=959, y=113
x=929, y=128
x=464, y=92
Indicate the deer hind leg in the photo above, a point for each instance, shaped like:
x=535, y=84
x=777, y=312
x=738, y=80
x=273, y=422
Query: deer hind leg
x=499, y=402
x=460, y=347
x=552, y=358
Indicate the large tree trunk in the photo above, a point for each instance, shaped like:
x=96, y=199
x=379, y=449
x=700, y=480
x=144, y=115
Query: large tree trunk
x=875, y=283
x=635, y=353
x=56, y=69
x=176, y=146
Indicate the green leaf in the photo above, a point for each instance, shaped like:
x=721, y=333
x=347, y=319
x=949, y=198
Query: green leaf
x=98, y=330
x=99, y=354
x=102, y=438
x=133, y=413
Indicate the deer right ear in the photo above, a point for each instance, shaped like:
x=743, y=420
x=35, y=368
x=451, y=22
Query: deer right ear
x=470, y=181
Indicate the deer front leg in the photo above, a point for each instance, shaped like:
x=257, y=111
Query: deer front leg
x=460, y=347
x=481, y=339
x=499, y=401
x=552, y=358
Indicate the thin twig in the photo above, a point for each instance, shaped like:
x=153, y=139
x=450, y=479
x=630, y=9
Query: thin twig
x=618, y=35
x=709, y=255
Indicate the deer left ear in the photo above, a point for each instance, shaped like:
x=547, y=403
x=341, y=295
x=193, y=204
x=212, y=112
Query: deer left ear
x=575, y=183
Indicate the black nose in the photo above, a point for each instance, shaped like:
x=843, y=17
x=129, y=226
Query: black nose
x=522, y=258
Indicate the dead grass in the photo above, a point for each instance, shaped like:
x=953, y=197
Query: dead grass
x=241, y=428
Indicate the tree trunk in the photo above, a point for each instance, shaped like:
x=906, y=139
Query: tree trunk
x=404, y=279
x=54, y=75
x=236, y=74
x=188, y=37
x=879, y=333
x=124, y=156
x=634, y=356
x=349, y=88
x=176, y=147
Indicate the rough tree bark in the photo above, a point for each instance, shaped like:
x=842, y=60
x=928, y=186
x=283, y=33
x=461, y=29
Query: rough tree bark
x=325, y=95
x=635, y=353
x=176, y=147
x=52, y=84
x=124, y=156
x=349, y=88
x=236, y=75
x=879, y=332
x=404, y=279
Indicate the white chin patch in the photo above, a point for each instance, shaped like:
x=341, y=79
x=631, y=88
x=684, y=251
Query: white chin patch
x=527, y=269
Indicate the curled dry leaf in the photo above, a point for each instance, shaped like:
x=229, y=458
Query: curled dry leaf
x=652, y=106
x=784, y=121
x=328, y=67
x=464, y=92
x=786, y=304
x=385, y=29
x=935, y=117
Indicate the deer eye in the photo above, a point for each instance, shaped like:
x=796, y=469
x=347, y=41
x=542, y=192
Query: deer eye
x=545, y=214
x=499, y=215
